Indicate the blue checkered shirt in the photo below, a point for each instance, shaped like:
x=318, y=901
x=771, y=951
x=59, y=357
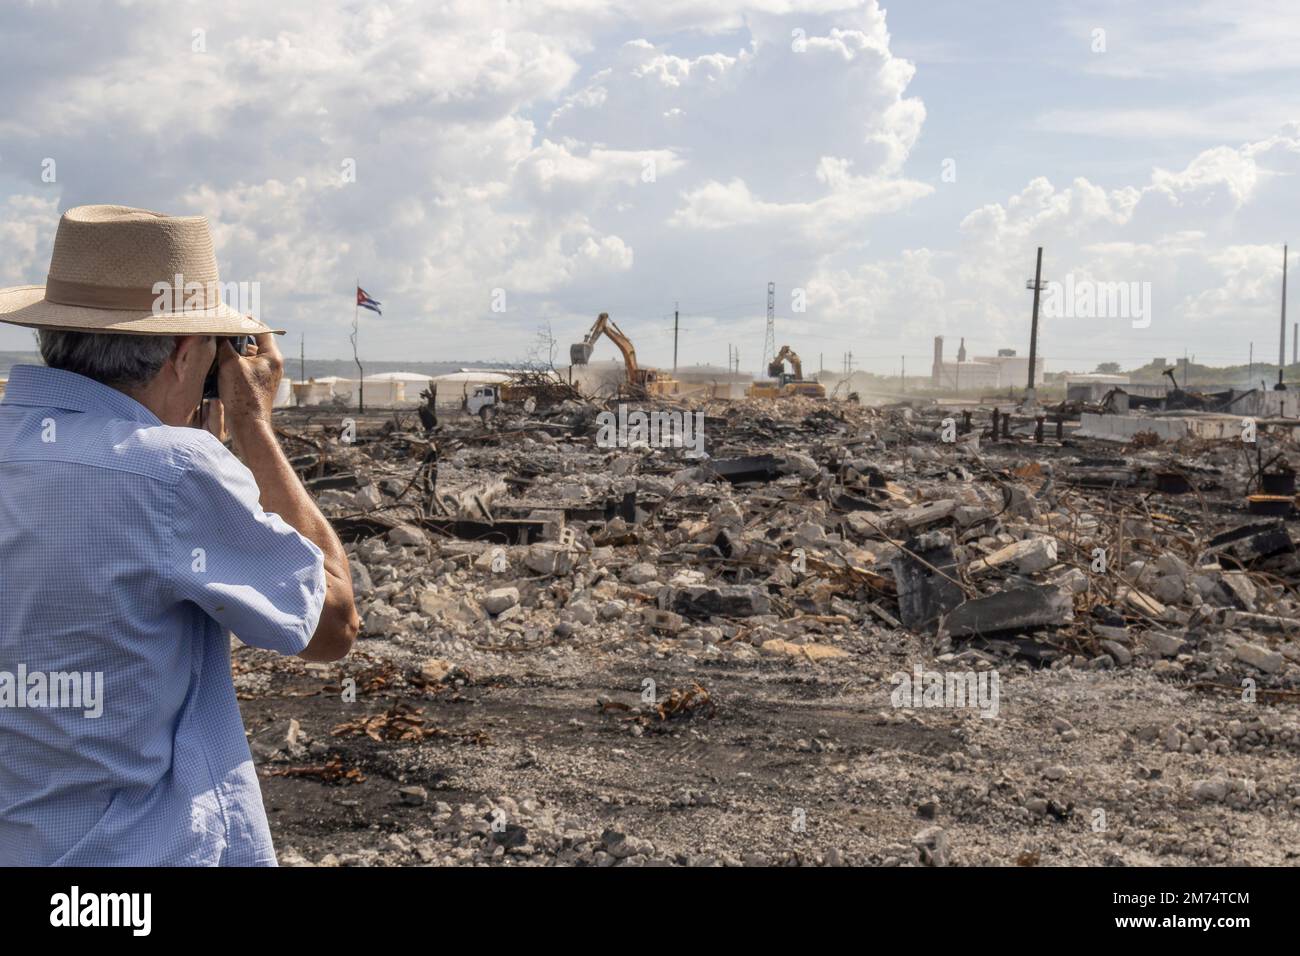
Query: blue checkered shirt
x=130, y=549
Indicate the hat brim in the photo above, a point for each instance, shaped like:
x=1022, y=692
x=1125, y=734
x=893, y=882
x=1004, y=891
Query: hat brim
x=26, y=305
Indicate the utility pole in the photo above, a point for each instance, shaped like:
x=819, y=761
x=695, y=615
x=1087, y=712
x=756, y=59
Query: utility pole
x=1282, y=341
x=1281, y=345
x=1250, y=369
x=1031, y=399
x=675, y=315
x=902, y=374
x=302, y=365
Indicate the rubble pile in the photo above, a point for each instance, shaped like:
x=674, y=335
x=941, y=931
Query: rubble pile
x=827, y=529
x=804, y=537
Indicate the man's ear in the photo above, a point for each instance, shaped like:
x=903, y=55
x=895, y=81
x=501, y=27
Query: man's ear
x=187, y=353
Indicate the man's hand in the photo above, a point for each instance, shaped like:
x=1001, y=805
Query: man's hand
x=211, y=417
x=248, y=384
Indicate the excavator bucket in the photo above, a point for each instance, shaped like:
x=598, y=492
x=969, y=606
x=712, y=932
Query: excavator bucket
x=579, y=353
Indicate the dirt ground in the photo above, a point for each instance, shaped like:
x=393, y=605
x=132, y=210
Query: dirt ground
x=801, y=763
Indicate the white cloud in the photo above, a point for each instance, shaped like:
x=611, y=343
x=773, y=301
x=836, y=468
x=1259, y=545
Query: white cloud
x=1169, y=232
x=27, y=225
x=1176, y=38
x=847, y=202
x=591, y=155
x=514, y=146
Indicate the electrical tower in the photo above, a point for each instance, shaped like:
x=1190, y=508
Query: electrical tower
x=769, y=344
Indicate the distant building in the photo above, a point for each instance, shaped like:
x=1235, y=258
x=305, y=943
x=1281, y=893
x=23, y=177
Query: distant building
x=1013, y=371
x=968, y=375
x=312, y=392
x=1002, y=371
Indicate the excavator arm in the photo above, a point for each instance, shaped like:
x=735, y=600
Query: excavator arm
x=786, y=385
x=580, y=352
x=778, y=363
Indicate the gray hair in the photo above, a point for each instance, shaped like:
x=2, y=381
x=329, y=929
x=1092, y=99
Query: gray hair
x=121, y=361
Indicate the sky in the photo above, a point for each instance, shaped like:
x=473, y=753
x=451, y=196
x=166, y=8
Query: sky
x=498, y=172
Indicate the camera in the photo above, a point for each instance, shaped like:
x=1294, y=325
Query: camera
x=238, y=342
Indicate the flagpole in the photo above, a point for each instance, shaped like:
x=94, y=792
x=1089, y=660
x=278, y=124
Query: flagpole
x=361, y=375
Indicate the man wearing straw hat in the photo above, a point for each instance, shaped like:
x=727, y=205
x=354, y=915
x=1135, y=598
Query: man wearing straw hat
x=130, y=546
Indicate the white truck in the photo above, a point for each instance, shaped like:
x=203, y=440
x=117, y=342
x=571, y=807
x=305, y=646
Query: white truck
x=485, y=399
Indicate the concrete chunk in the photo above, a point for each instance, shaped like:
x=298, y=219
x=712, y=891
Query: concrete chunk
x=1239, y=590
x=1035, y=606
x=923, y=574
x=1029, y=556
x=1261, y=658
x=500, y=599
x=408, y=535
x=1253, y=541
x=665, y=621
x=547, y=558
x=918, y=516
x=642, y=573
x=728, y=600
x=1160, y=644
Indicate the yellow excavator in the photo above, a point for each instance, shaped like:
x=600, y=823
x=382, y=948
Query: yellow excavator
x=641, y=382
x=783, y=384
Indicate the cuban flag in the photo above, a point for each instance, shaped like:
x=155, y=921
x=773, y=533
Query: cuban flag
x=366, y=302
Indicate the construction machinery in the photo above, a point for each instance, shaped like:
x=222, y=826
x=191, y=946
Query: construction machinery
x=526, y=391
x=783, y=384
x=641, y=382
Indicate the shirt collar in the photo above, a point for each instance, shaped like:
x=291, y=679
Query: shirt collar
x=39, y=386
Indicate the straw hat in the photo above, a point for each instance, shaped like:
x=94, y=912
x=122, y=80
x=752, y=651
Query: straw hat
x=132, y=271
